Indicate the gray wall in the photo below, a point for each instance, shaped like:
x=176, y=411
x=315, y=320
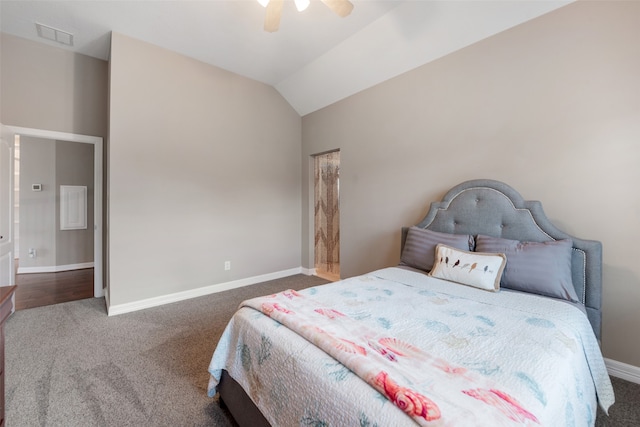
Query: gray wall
x=551, y=107
x=52, y=164
x=74, y=166
x=37, y=208
x=204, y=167
x=45, y=87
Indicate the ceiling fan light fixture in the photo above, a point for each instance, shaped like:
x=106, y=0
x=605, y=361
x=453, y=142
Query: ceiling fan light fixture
x=272, y=16
x=302, y=4
x=341, y=8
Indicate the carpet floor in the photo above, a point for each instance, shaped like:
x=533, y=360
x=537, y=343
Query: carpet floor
x=71, y=365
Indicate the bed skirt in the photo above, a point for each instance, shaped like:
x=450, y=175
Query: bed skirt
x=242, y=408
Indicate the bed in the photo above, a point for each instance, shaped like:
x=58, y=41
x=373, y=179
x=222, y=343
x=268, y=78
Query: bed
x=493, y=317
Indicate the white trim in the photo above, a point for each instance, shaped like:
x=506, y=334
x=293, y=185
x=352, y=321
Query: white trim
x=7, y=243
x=623, y=370
x=106, y=299
x=97, y=142
x=114, y=310
x=8, y=260
x=54, y=268
x=52, y=134
x=308, y=271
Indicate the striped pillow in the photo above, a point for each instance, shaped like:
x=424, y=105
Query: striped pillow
x=420, y=247
x=542, y=268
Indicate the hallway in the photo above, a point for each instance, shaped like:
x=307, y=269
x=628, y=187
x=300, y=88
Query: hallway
x=40, y=289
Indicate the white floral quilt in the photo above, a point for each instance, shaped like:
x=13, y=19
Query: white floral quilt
x=395, y=347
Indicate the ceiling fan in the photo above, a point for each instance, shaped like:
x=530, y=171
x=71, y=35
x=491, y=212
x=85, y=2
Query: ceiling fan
x=341, y=8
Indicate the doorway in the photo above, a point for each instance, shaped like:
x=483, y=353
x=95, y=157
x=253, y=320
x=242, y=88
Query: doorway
x=55, y=262
x=327, y=215
x=70, y=212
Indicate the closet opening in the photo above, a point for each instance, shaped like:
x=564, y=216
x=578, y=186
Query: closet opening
x=327, y=215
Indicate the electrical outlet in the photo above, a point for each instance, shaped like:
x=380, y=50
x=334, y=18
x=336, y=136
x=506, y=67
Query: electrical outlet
x=227, y=265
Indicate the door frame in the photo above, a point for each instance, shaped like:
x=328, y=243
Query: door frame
x=318, y=272
x=98, y=290
x=6, y=192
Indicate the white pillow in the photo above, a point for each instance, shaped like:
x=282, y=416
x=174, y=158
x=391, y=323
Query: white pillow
x=478, y=269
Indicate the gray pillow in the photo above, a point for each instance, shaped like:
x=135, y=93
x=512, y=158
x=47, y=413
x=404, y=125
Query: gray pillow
x=542, y=268
x=420, y=247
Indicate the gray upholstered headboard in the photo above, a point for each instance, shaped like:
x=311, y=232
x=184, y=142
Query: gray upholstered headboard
x=495, y=209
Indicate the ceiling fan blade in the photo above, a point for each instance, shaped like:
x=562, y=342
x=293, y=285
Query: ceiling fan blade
x=341, y=8
x=273, y=14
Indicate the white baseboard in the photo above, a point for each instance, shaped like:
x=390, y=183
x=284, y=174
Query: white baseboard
x=54, y=268
x=114, y=310
x=308, y=271
x=623, y=370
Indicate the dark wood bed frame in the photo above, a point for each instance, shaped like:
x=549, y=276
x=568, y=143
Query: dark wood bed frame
x=476, y=207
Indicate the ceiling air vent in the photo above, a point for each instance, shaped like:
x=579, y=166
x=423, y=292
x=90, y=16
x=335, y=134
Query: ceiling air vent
x=54, y=34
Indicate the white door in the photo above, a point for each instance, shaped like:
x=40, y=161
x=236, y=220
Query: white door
x=7, y=274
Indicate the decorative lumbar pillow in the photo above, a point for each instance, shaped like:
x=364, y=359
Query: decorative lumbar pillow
x=420, y=246
x=542, y=268
x=480, y=270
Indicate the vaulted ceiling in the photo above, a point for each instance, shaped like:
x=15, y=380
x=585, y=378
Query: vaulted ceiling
x=315, y=59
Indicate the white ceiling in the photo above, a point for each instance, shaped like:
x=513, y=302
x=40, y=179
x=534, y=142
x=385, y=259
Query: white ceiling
x=314, y=60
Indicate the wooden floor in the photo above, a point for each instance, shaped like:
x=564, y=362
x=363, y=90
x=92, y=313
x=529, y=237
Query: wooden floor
x=327, y=275
x=40, y=289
